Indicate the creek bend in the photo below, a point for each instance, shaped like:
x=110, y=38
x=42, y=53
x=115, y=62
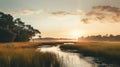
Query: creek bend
x=67, y=59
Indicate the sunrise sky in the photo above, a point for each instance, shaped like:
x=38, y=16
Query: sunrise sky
x=67, y=18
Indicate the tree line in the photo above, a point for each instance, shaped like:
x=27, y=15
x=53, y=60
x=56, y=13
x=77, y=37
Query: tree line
x=15, y=30
x=101, y=38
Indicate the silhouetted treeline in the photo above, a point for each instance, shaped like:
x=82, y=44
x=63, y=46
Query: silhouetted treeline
x=101, y=38
x=15, y=29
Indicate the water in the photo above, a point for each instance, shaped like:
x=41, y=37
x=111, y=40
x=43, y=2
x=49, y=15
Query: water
x=68, y=59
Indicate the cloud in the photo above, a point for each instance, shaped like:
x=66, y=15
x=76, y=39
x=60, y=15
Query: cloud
x=102, y=14
x=65, y=13
x=24, y=12
x=96, y=14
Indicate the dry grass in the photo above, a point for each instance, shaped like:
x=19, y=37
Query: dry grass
x=20, y=44
x=108, y=51
x=14, y=55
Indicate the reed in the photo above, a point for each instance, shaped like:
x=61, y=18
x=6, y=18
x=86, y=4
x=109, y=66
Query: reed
x=108, y=52
x=10, y=56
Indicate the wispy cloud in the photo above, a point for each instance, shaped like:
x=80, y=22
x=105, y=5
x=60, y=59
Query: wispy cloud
x=96, y=14
x=24, y=12
x=102, y=14
x=64, y=13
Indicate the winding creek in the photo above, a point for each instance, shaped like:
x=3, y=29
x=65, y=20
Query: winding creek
x=68, y=59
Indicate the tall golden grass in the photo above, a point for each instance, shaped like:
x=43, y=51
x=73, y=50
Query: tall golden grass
x=12, y=55
x=20, y=44
x=108, y=51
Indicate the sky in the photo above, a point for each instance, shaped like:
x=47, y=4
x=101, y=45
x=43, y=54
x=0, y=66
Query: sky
x=67, y=18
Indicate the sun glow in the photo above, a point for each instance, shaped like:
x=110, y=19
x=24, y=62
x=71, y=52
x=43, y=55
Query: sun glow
x=75, y=34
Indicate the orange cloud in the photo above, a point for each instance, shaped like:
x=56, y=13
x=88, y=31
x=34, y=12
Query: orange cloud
x=102, y=14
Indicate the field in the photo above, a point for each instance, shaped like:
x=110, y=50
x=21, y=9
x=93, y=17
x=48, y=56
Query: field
x=23, y=55
x=108, y=52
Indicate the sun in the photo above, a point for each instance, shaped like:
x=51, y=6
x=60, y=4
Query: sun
x=75, y=34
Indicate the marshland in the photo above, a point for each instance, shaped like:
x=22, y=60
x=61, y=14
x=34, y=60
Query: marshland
x=59, y=33
x=13, y=55
x=24, y=54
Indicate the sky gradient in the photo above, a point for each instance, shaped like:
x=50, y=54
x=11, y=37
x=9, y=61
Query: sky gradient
x=67, y=18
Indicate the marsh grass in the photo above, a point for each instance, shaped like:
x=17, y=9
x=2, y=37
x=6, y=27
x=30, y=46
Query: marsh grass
x=19, y=44
x=10, y=56
x=108, y=52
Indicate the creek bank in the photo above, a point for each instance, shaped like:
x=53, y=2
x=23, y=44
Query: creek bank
x=100, y=60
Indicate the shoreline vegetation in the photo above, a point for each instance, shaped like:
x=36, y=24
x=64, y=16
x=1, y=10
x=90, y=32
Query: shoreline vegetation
x=107, y=52
x=24, y=54
x=14, y=55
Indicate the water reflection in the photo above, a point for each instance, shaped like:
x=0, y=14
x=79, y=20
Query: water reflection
x=67, y=59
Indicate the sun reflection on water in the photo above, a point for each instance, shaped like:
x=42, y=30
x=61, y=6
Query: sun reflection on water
x=67, y=59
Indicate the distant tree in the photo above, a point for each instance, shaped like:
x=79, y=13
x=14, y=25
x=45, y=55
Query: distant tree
x=111, y=37
x=101, y=38
x=117, y=37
